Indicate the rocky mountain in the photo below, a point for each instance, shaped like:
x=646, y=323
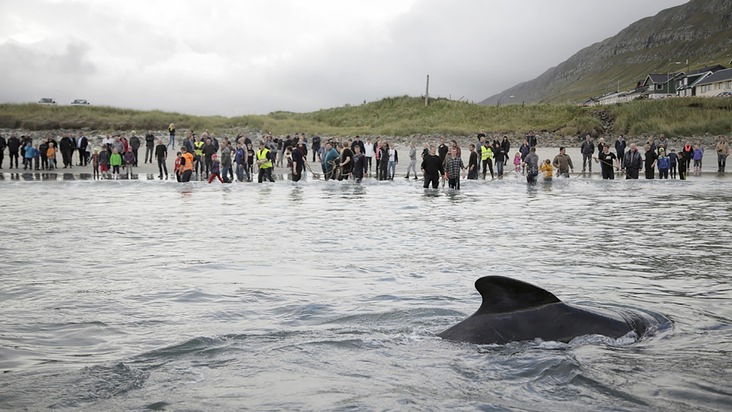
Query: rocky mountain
x=695, y=34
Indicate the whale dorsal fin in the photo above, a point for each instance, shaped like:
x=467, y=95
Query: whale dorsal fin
x=501, y=294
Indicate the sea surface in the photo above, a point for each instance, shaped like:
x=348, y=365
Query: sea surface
x=153, y=295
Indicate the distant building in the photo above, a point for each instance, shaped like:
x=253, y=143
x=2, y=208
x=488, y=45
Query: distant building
x=708, y=81
x=715, y=84
x=686, y=83
x=660, y=85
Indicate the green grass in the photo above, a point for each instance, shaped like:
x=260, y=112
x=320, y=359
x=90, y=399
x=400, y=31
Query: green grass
x=399, y=116
x=678, y=117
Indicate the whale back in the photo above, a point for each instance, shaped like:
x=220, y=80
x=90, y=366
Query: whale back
x=501, y=294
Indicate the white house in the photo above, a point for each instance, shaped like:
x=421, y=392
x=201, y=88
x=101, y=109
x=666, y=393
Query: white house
x=715, y=84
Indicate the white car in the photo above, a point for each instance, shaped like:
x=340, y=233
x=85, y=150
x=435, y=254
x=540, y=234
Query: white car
x=79, y=102
x=46, y=100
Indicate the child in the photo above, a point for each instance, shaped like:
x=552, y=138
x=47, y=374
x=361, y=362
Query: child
x=674, y=158
x=29, y=152
x=176, y=168
x=51, y=156
x=37, y=157
x=104, y=161
x=115, y=161
x=95, y=163
x=215, y=169
x=547, y=169
x=517, y=162
x=129, y=159
x=698, y=153
x=664, y=164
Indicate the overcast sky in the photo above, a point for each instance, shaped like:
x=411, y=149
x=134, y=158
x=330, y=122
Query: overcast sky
x=254, y=57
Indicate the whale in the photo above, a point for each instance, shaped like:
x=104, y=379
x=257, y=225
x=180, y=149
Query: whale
x=513, y=311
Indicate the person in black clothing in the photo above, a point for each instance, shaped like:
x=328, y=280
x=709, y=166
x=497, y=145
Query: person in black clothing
x=298, y=162
x=161, y=153
x=588, y=149
x=208, y=151
x=13, y=148
x=135, y=146
x=316, y=145
x=688, y=152
x=473, y=163
x=346, y=162
x=149, y=146
x=81, y=144
x=43, y=149
x=432, y=168
x=608, y=162
x=620, y=150
x=499, y=156
x=359, y=163
x=506, y=147
x=683, y=164
x=3, y=144
x=632, y=163
x=531, y=138
x=383, y=160
x=67, y=150
x=442, y=150
x=650, y=161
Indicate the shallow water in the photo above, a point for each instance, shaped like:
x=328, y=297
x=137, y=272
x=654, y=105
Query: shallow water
x=147, y=295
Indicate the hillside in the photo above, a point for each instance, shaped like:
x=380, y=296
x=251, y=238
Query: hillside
x=699, y=31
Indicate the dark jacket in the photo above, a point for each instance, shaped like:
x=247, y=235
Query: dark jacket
x=13, y=144
x=135, y=142
x=587, y=148
x=506, y=146
x=620, y=147
x=161, y=151
x=209, y=150
x=432, y=165
x=66, y=144
x=633, y=160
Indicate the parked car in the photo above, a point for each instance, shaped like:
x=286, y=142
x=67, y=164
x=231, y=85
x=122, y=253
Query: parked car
x=79, y=102
x=46, y=100
x=725, y=94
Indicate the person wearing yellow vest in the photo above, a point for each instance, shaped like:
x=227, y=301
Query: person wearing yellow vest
x=198, y=154
x=264, y=160
x=486, y=155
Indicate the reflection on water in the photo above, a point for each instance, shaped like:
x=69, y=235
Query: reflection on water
x=327, y=295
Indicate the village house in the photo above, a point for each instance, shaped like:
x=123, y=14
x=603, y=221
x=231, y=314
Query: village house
x=715, y=84
x=709, y=81
x=686, y=83
x=660, y=85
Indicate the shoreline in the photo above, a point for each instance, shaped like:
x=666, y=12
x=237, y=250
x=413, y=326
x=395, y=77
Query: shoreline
x=150, y=170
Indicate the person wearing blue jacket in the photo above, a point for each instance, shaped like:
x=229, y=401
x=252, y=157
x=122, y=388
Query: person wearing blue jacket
x=29, y=152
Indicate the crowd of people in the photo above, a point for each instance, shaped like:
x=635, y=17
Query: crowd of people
x=656, y=155
x=204, y=157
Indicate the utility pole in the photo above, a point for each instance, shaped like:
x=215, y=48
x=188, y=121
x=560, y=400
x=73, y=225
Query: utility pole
x=427, y=92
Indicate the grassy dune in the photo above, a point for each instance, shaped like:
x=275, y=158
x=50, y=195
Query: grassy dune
x=402, y=116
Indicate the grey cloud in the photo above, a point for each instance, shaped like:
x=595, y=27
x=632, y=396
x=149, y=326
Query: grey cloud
x=210, y=63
